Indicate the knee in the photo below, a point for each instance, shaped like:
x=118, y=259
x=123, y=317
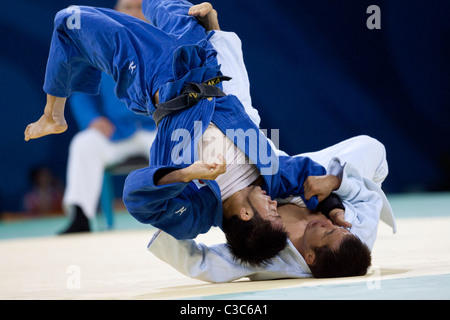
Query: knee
x=61, y=16
x=68, y=17
x=372, y=144
x=377, y=152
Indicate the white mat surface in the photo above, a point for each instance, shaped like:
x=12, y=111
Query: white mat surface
x=116, y=265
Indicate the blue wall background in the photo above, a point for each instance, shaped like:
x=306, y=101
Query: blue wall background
x=317, y=74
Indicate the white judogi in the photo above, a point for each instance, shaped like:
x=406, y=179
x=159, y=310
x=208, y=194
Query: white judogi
x=361, y=161
x=364, y=201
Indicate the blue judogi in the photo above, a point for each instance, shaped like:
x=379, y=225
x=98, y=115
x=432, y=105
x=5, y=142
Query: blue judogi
x=143, y=59
x=140, y=57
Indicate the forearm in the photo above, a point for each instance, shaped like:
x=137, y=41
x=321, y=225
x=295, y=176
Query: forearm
x=197, y=170
x=175, y=176
x=334, y=182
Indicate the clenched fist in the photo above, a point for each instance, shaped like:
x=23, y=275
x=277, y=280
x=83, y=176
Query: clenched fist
x=320, y=186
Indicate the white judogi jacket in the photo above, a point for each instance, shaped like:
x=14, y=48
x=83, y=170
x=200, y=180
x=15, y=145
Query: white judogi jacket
x=365, y=204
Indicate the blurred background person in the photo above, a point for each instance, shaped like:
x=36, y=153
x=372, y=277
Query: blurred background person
x=45, y=197
x=110, y=133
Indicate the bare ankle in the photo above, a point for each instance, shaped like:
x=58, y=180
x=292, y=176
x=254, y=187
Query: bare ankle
x=57, y=109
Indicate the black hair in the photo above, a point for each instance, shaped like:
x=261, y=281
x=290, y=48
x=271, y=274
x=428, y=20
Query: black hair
x=352, y=258
x=254, y=242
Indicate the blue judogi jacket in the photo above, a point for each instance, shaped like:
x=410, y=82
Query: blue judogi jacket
x=143, y=59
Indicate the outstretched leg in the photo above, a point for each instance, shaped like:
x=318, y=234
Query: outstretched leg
x=51, y=122
x=107, y=41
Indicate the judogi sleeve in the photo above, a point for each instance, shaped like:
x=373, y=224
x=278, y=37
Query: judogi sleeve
x=215, y=263
x=179, y=209
x=293, y=173
x=362, y=205
x=197, y=260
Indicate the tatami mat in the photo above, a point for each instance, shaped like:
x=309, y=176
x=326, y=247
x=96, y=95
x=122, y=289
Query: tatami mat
x=412, y=264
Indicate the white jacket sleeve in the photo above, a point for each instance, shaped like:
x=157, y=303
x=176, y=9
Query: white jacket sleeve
x=362, y=205
x=215, y=263
x=197, y=260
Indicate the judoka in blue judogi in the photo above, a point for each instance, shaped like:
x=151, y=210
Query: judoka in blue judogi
x=152, y=66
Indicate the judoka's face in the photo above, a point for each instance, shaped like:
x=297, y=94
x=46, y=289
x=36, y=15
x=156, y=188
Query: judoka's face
x=258, y=200
x=319, y=233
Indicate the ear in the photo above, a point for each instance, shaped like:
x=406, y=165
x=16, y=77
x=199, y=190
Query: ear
x=310, y=257
x=244, y=215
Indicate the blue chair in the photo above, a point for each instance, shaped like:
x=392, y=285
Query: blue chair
x=107, y=195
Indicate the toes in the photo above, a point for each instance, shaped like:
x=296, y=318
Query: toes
x=28, y=132
x=27, y=129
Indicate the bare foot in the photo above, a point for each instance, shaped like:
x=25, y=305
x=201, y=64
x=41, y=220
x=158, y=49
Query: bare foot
x=206, y=15
x=44, y=126
x=51, y=122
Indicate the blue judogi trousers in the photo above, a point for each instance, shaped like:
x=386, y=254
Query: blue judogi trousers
x=140, y=57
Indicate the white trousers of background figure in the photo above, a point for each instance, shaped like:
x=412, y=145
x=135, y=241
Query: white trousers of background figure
x=90, y=152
